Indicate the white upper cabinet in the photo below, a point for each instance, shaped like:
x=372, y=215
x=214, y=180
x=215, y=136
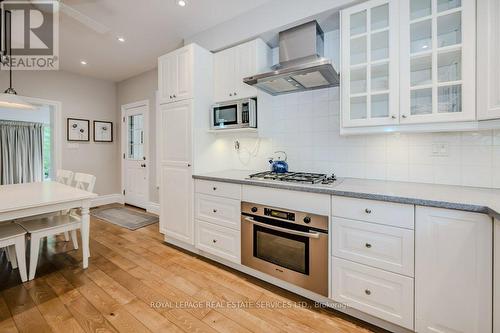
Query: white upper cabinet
x=437, y=61
x=488, y=62
x=232, y=65
x=453, y=271
x=370, y=64
x=413, y=62
x=176, y=75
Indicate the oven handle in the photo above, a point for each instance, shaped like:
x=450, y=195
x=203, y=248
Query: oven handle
x=285, y=230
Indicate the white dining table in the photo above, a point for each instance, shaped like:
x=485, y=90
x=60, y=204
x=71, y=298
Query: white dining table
x=30, y=199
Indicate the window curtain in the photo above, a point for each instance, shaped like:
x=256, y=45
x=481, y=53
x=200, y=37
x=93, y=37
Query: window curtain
x=21, y=152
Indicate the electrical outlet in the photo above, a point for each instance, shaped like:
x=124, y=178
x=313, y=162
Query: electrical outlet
x=440, y=149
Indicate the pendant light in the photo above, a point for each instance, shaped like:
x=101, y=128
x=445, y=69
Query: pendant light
x=9, y=99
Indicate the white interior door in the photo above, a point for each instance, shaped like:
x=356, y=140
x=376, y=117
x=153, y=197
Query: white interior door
x=135, y=161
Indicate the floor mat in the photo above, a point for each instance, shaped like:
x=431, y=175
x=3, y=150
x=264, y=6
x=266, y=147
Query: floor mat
x=124, y=217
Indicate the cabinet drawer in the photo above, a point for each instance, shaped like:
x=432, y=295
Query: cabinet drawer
x=220, y=189
x=222, y=211
x=219, y=241
x=375, y=245
x=379, y=293
x=394, y=214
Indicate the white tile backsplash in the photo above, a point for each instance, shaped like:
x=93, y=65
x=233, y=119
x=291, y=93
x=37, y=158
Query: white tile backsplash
x=306, y=125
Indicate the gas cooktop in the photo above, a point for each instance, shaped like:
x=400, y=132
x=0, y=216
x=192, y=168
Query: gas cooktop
x=296, y=177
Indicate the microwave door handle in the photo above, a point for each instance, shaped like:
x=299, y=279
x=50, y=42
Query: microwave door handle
x=285, y=230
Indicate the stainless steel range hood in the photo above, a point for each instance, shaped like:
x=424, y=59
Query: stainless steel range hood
x=302, y=65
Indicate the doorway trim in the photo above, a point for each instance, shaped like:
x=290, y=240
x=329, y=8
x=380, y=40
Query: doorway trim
x=56, y=124
x=123, y=140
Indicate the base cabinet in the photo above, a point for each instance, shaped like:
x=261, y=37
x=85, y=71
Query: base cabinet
x=453, y=271
x=176, y=192
x=496, y=277
x=377, y=292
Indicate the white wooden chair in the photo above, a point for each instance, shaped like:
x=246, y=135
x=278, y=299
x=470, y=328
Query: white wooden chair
x=12, y=238
x=64, y=177
x=54, y=225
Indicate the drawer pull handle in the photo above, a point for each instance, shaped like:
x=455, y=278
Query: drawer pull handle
x=368, y=245
x=215, y=188
x=368, y=292
x=215, y=210
x=368, y=211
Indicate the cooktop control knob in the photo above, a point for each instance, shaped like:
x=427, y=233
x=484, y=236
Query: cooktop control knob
x=254, y=209
x=307, y=220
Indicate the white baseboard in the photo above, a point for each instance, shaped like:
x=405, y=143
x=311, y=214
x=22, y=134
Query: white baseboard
x=153, y=208
x=107, y=199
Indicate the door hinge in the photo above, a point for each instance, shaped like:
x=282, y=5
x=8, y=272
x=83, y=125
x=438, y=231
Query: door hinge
x=123, y=192
x=123, y=119
x=123, y=155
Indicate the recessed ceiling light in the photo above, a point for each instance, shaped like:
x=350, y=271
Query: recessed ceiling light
x=121, y=39
x=83, y=62
x=182, y=3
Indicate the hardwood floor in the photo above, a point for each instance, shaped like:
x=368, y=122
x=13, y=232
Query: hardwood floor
x=136, y=283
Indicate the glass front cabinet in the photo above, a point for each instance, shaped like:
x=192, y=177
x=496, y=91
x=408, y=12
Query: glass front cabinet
x=408, y=61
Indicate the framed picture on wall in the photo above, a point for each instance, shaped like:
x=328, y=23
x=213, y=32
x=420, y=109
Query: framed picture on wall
x=78, y=129
x=103, y=131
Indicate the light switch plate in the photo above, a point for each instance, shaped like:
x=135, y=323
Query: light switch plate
x=440, y=149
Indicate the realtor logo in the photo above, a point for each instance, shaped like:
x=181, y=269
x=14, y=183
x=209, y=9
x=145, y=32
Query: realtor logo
x=34, y=34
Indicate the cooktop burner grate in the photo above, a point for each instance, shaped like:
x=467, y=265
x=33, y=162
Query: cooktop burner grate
x=295, y=177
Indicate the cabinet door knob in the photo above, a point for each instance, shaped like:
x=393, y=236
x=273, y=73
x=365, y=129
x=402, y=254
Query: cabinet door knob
x=368, y=292
x=368, y=245
x=230, y=95
x=368, y=211
x=214, y=241
x=215, y=188
x=170, y=96
x=175, y=96
x=235, y=94
x=393, y=117
x=215, y=210
x=404, y=116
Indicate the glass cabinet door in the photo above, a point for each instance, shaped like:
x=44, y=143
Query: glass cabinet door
x=369, y=64
x=437, y=60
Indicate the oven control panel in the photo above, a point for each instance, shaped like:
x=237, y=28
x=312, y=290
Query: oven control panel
x=279, y=214
x=311, y=220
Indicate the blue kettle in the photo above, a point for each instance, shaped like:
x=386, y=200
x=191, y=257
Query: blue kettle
x=277, y=164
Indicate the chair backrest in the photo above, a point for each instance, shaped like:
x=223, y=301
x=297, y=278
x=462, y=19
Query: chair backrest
x=64, y=177
x=85, y=181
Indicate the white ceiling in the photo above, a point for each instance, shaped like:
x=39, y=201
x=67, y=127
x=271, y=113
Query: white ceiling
x=151, y=28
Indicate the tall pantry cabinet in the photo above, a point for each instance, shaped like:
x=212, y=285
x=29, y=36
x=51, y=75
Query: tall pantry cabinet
x=185, y=79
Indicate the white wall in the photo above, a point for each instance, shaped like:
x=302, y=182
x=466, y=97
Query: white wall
x=81, y=97
x=138, y=88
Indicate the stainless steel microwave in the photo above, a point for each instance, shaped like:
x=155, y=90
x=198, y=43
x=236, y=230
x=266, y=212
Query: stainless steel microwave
x=234, y=114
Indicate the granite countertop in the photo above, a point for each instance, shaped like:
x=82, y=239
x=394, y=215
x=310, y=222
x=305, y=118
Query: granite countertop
x=472, y=199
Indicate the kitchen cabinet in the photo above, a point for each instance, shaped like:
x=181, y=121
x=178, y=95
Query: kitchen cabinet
x=176, y=75
x=488, y=59
x=370, y=64
x=379, y=293
x=232, y=65
x=437, y=61
x=453, y=271
x=496, y=277
x=185, y=79
x=176, y=220
x=175, y=171
x=410, y=62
